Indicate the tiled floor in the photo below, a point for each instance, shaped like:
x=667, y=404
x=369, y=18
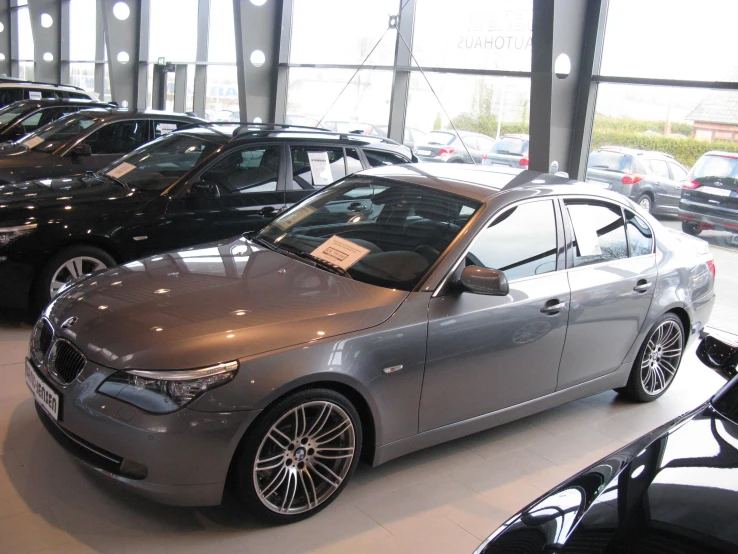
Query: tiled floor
x=445, y=499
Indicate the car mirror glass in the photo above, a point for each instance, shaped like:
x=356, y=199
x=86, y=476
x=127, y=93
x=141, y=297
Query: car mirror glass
x=82, y=150
x=484, y=280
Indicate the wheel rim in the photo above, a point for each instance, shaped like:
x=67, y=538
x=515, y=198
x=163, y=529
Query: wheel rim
x=73, y=268
x=645, y=203
x=661, y=357
x=304, y=458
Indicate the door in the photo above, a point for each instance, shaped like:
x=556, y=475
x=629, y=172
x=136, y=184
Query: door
x=678, y=176
x=663, y=188
x=241, y=191
x=612, y=277
x=107, y=143
x=486, y=353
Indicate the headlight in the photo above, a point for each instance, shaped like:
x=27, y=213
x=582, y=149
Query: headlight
x=9, y=234
x=166, y=391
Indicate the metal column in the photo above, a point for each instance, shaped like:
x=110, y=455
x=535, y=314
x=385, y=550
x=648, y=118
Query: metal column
x=201, y=57
x=401, y=80
x=46, y=40
x=283, y=72
x=180, y=87
x=123, y=36
x=5, y=37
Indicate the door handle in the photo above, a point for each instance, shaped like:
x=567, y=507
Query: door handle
x=642, y=286
x=552, y=309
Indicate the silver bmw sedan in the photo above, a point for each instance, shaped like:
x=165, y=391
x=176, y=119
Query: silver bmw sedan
x=399, y=308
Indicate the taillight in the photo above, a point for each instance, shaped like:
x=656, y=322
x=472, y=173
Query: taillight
x=484, y=156
x=691, y=184
x=631, y=179
x=444, y=151
x=711, y=265
x=523, y=162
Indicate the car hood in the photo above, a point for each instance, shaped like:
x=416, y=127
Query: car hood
x=214, y=303
x=673, y=490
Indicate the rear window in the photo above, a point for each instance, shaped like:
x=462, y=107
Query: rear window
x=715, y=166
x=517, y=147
x=612, y=161
x=438, y=137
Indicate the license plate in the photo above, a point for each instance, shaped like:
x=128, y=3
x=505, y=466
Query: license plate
x=42, y=392
x=424, y=152
x=715, y=191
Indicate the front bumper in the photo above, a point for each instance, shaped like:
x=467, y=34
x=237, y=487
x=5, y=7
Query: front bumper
x=181, y=458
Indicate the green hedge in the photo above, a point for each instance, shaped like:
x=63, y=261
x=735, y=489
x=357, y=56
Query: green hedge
x=620, y=125
x=686, y=151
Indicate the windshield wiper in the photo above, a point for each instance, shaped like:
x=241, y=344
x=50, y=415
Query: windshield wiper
x=299, y=254
x=102, y=177
x=260, y=241
x=607, y=168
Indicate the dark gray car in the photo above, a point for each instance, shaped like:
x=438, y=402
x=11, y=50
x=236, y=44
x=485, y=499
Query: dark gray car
x=651, y=179
x=511, y=151
x=85, y=141
x=449, y=147
x=394, y=310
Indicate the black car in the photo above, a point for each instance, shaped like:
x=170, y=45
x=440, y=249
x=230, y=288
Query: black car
x=85, y=141
x=193, y=186
x=651, y=179
x=450, y=147
x=674, y=490
x=710, y=195
x=25, y=116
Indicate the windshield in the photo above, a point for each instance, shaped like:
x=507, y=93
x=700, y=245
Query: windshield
x=612, y=161
x=438, y=137
x=57, y=133
x=377, y=231
x=715, y=167
x=9, y=113
x=160, y=163
x=512, y=146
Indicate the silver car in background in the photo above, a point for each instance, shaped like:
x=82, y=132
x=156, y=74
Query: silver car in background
x=394, y=310
x=510, y=150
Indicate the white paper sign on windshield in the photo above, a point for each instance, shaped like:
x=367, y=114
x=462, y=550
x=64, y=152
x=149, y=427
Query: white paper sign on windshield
x=320, y=167
x=294, y=217
x=33, y=141
x=122, y=169
x=340, y=252
x=585, y=231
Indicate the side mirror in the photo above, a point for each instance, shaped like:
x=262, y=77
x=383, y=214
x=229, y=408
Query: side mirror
x=203, y=188
x=720, y=355
x=484, y=280
x=82, y=149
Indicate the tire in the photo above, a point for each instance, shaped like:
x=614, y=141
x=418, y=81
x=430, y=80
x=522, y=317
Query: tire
x=286, y=443
x=690, y=228
x=82, y=258
x=646, y=202
x=657, y=361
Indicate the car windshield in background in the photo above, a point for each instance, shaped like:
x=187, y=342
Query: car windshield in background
x=512, y=146
x=50, y=137
x=376, y=231
x=9, y=113
x=158, y=164
x=438, y=137
x=715, y=167
x=612, y=161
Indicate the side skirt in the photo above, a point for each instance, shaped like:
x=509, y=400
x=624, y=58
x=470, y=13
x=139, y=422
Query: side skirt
x=473, y=425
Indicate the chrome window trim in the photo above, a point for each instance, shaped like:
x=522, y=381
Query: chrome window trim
x=485, y=226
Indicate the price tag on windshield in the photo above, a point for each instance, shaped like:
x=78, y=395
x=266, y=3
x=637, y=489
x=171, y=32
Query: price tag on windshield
x=340, y=252
x=122, y=169
x=33, y=141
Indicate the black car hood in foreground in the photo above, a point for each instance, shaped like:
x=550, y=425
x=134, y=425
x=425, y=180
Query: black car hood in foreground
x=216, y=303
x=674, y=490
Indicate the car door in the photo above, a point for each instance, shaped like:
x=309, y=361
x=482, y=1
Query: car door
x=107, y=143
x=240, y=191
x=486, y=353
x=662, y=187
x=312, y=167
x=612, y=284
x=678, y=176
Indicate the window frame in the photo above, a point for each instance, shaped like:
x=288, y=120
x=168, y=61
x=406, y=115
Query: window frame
x=561, y=244
x=288, y=160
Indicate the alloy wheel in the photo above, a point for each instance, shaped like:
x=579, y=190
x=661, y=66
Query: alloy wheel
x=73, y=268
x=645, y=203
x=661, y=357
x=304, y=457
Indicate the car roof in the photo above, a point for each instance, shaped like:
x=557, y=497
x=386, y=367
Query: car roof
x=485, y=182
x=633, y=151
x=50, y=102
x=721, y=153
x=4, y=83
x=123, y=113
x=237, y=133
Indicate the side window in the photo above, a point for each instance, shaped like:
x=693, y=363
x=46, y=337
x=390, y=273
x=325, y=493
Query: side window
x=353, y=162
x=118, y=138
x=78, y=95
x=45, y=116
x=378, y=158
x=471, y=143
x=659, y=168
x=640, y=237
x=10, y=95
x=316, y=166
x=521, y=242
x=245, y=171
x=599, y=232
x=162, y=128
x=485, y=145
x=677, y=172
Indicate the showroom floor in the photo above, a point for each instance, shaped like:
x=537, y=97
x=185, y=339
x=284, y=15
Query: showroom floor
x=445, y=499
